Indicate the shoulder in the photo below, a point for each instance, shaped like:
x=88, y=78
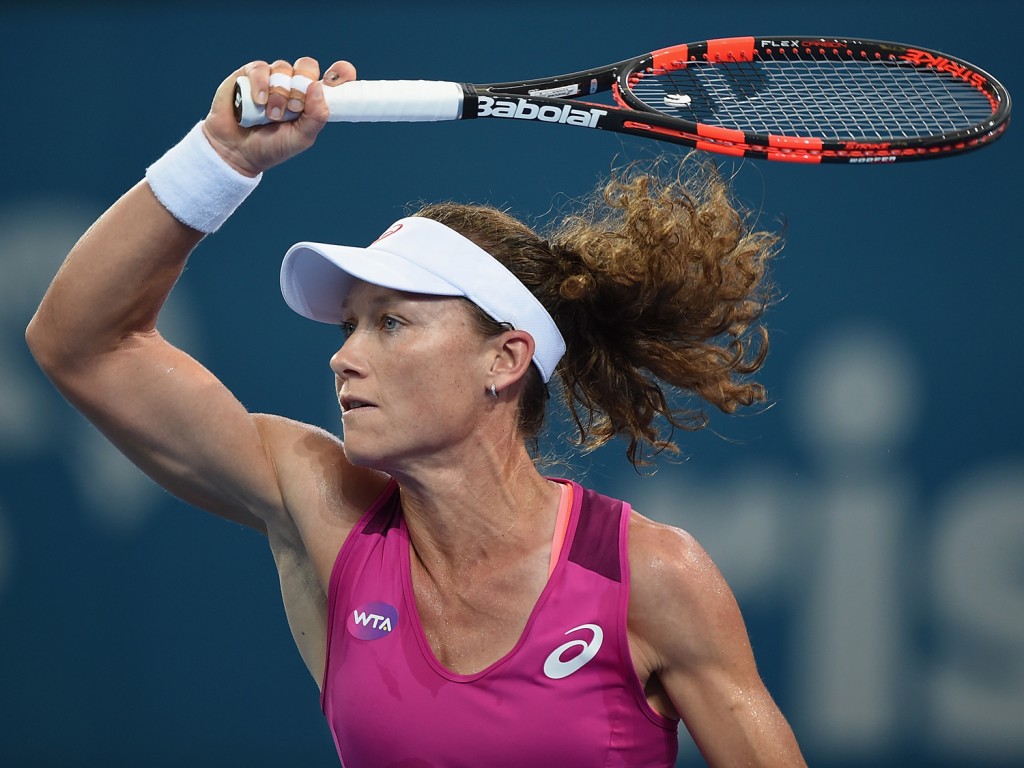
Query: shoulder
x=681, y=610
x=665, y=557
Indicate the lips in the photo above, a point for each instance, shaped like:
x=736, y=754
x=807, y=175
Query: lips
x=349, y=404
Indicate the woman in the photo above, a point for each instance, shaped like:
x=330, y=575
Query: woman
x=456, y=606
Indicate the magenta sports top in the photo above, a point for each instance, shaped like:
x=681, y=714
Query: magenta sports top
x=565, y=695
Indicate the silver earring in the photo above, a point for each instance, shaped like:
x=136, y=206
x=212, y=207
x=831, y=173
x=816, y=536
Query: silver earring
x=494, y=391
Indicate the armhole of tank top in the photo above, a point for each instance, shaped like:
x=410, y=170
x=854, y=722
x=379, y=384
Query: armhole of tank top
x=332, y=587
x=635, y=683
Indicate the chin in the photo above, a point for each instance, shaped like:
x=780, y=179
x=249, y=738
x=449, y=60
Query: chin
x=359, y=456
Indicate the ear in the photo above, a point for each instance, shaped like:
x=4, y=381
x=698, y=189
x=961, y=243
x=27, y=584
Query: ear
x=513, y=356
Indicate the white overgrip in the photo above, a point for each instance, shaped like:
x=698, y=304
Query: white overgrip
x=362, y=101
x=394, y=101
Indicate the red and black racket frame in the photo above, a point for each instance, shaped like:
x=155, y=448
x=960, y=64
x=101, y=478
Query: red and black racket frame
x=634, y=117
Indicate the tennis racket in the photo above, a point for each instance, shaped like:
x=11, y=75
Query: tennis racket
x=788, y=98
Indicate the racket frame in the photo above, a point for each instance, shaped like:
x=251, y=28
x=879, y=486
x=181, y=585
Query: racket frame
x=635, y=117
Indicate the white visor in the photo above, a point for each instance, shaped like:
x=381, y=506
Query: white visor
x=418, y=255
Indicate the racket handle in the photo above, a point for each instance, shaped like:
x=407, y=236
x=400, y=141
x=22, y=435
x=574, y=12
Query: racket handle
x=365, y=101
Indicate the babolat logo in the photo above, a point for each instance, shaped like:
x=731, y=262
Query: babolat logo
x=521, y=109
x=372, y=621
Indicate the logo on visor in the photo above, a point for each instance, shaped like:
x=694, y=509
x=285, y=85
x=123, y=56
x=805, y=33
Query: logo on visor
x=389, y=231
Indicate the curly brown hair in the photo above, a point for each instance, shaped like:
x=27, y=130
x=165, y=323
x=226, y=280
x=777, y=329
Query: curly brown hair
x=658, y=285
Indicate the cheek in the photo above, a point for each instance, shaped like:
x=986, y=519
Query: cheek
x=439, y=392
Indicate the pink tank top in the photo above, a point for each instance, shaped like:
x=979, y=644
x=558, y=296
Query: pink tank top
x=565, y=695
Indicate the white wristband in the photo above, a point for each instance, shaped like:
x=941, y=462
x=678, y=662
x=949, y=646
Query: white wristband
x=197, y=185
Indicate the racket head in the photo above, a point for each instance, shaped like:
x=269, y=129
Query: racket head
x=815, y=99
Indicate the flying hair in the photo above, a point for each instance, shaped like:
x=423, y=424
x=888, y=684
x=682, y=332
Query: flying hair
x=658, y=283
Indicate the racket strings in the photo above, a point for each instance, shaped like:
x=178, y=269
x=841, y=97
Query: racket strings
x=831, y=99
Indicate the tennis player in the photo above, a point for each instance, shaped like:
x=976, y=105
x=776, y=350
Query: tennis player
x=456, y=606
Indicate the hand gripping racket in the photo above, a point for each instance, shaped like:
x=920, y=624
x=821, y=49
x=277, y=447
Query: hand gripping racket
x=798, y=99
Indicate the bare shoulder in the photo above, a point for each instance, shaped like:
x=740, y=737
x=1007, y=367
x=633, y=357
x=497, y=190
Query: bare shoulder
x=665, y=557
x=680, y=605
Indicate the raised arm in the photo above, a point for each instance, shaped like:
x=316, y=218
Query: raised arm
x=688, y=635
x=95, y=333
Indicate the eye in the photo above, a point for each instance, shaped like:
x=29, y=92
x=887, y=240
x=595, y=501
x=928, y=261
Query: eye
x=347, y=329
x=389, y=323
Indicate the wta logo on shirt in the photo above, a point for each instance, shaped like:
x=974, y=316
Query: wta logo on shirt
x=372, y=621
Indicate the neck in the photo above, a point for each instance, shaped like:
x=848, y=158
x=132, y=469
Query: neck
x=497, y=510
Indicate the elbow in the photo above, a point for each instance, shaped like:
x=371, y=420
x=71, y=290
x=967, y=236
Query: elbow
x=47, y=347
x=37, y=340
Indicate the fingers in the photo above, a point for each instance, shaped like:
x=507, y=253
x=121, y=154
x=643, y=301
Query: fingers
x=258, y=73
x=286, y=86
x=282, y=87
x=293, y=101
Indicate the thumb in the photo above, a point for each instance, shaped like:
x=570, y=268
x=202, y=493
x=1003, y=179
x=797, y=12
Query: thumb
x=316, y=103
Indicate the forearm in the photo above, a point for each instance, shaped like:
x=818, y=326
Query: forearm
x=745, y=728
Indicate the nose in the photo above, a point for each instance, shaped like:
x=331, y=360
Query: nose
x=347, y=362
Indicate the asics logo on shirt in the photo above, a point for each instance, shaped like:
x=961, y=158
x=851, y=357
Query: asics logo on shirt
x=556, y=668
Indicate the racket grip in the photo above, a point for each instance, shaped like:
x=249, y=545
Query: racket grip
x=367, y=101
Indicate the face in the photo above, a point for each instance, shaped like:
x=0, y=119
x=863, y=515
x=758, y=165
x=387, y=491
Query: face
x=411, y=378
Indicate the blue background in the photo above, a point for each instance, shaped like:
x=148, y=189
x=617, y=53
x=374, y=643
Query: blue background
x=871, y=522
